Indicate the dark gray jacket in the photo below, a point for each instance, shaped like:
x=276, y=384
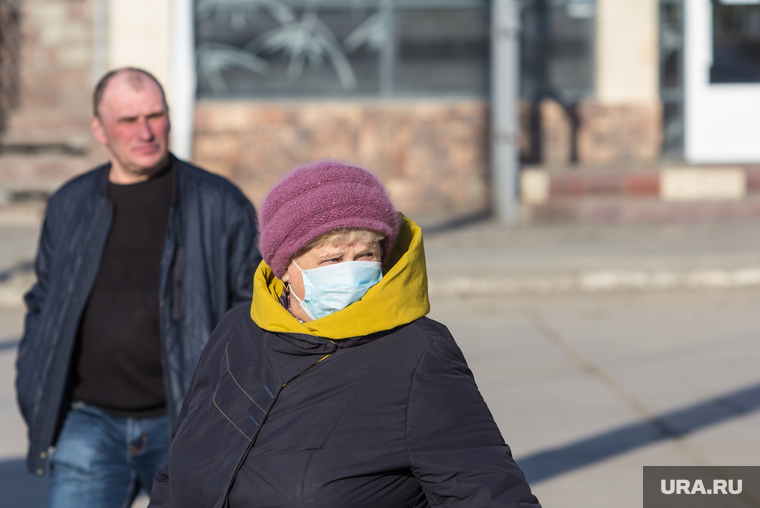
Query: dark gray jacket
x=388, y=420
x=207, y=267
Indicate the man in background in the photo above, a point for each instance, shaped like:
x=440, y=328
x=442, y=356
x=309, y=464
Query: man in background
x=138, y=260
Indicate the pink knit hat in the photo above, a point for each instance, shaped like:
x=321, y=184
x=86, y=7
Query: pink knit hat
x=319, y=198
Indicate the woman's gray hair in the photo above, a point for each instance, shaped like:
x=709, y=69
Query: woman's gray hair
x=349, y=236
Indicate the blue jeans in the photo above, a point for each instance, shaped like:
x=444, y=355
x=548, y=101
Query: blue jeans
x=102, y=461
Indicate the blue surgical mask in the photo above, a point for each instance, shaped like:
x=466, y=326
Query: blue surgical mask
x=331, y=288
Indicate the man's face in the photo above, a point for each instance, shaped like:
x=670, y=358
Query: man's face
x=133, y=125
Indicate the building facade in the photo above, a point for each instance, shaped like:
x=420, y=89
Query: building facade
x=402, y=87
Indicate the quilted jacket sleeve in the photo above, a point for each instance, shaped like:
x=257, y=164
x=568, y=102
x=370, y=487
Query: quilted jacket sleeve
x=243, y=255
x=456, y=450
x=203, y=378
x=35, y=301
x=160, y=496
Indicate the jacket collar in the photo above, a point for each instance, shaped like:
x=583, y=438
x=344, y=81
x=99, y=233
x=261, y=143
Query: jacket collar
x=178, y=167
x=398, y=299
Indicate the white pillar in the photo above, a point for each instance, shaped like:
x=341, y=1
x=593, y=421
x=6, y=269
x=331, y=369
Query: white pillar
x=505, y=68
x=183, y=77
x=627, y=52
x=99, y=40
x=139, y=33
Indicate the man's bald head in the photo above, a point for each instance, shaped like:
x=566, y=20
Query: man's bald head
x=132, y=121
x=135, y=77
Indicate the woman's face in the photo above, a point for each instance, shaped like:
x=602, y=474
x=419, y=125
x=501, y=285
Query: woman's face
x=324, y=255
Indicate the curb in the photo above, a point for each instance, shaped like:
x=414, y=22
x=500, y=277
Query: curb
x=13, y=288
x=645, y=195
x=599, y=281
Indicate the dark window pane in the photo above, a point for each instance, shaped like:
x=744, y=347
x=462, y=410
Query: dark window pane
x=269, y=49
x=736, y=43
x=671, y=76
x=671, y=44
x=339, y=48
x=442, y=51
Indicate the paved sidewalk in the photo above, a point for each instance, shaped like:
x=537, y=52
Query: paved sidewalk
x=486, y=258
x=587, y=388
x=482, y=257
x=599, y=350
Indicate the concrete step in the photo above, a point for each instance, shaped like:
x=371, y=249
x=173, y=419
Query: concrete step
x=626, y=209
x=659, y=194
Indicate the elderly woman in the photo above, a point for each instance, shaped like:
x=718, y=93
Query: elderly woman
x=333, y=389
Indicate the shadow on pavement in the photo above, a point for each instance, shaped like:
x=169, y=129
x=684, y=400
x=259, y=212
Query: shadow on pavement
x=8, y=344
x=19, y=489
x=550, y=463
x=20, y=267
x=456, y=223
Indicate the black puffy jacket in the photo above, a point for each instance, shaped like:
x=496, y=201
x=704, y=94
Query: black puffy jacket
x=389, y=420
x=282, y=414
x=207, y=267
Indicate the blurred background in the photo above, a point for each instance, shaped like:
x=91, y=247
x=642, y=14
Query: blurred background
x=587, y=174
x=610, y=110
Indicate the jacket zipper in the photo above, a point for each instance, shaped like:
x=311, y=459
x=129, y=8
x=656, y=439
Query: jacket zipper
x=310, y=366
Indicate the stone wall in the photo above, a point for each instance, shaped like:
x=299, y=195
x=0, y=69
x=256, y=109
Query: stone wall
x=56, y=77
x=431, y=154
x=10, y=46
x=619, y=133
x=48, y=134
x=556, y=134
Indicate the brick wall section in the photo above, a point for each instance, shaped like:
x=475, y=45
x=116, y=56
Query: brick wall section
x=431, y=155
x=10, y=45
x=56, y=79
x=556, y=134
x=607, y=134
x=55, y=85
x=619, y=133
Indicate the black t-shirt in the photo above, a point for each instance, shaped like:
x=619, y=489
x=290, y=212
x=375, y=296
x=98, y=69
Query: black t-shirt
x=117, y=364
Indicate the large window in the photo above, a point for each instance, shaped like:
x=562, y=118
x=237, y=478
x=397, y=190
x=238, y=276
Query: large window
x=340, y=48
x=736, y=41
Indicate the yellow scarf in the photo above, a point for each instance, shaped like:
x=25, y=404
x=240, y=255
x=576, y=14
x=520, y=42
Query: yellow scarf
x=399, y=298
